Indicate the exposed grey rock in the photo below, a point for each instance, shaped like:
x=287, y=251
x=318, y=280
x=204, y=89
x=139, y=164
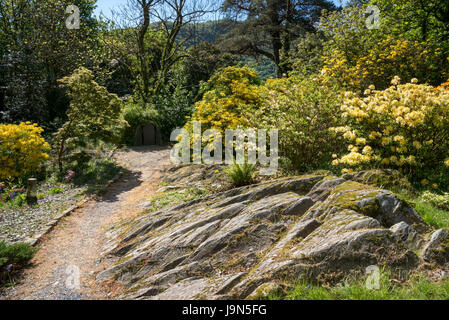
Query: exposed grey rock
x=300, y=207
x=254, y=240
x=437, y=249
x=406, y=233
x=395, y=210
x=384, y=178
x=265, y=290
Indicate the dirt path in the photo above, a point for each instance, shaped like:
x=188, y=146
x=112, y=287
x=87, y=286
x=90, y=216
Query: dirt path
x=75, y=245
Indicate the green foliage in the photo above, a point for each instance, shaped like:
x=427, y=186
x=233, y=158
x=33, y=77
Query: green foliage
x=16, y=201
x=55, y=190
x=265, y=67
x=229, y=96
x=417, y=288
x=306, y=57
x=173, y=108
x=438, y=200
x=136, y=113
x=96, y=173
x=302, y=111
x=94, y=114
x=38, y=49
x=201, y=62
x=16, y=255
x=356, y=57
x=172, y=198
x=419, y=20
x=267, y=28
x=241, y=174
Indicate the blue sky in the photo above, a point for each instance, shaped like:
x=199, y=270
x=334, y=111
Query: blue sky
x=107, y=5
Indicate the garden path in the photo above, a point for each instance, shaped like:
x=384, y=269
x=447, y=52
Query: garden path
x=75, y=244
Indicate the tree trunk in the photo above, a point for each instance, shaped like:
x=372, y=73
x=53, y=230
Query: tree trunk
x=142, y=52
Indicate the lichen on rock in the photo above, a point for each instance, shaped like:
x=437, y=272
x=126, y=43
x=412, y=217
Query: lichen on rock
x=250, y=241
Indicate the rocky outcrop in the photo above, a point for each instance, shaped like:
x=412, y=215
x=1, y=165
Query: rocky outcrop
x=384, y=178
x=253, y=240
x=437, y=249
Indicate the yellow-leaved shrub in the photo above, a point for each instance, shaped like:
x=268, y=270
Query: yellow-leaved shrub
x=302, y=110
x=22, y=149
x=405, y=127
x=390, y=57
x=230, y=94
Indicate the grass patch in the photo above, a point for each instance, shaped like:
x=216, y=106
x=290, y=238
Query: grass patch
x=432, y=215
x=172, y=198
x=418, y=288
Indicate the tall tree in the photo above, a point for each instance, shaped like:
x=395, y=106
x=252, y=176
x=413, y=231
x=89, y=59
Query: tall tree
x=147, y=22
x=38, y=49
x=267, y=27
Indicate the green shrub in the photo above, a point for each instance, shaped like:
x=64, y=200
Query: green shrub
x=136, y=113
x=241, y=174
x=55, y=190
x=93, y=115
x=15, y=255
x=302, y=111
x=172, y=110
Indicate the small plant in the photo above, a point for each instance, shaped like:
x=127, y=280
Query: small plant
x=12, y=197
x=241, y=174
x=55, y=190
x=13, y=257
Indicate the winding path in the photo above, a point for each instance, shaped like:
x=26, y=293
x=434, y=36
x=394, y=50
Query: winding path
x=75, y=245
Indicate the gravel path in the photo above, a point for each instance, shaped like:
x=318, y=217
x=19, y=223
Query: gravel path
x=74, y=247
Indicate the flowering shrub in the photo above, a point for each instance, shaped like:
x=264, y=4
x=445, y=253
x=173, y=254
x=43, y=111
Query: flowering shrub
x=405, y=127
x=231, y=93
x=444, y=86
x=439, y=200
x=22, y=149
x=302, y=111
x=356, y=57
x=379, y=65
